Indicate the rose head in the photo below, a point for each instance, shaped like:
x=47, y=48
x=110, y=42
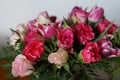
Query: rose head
x=83, y=33
x=78, y=14
x=59, y=58
x=21, y=66
x=96, y=14
x=34, y=49
x=65, y=38
x=90, y=53
x=104, y=24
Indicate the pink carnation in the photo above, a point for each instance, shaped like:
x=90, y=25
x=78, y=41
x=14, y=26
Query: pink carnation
x=91, y=52
x=83, y=33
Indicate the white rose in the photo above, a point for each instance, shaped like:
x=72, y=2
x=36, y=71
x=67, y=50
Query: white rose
x=59, y=58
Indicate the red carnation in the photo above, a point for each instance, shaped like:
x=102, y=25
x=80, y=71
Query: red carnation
x=34, y=49
x=91, y=52
x=83, y=33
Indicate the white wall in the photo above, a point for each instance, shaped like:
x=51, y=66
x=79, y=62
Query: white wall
x=13, y=12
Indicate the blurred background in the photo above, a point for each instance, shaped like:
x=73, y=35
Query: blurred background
x=13, y=12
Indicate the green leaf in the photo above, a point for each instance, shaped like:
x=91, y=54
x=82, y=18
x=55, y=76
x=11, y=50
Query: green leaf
x=9, y=75
x=104, y=32
x=65, y=22
x=66, y=67
x=47, y=49
x=7, y=66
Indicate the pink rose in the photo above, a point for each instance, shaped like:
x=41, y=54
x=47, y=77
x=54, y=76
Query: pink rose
x=91, y=52
x=34, y=49
x=78, y=14
x=104, y=24
x=21, y=66
x=96, y=14
x=65, y=38
x=59, y=58
x=83, y=33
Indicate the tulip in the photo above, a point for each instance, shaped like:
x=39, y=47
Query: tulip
x=78, y=15
x=96, y=14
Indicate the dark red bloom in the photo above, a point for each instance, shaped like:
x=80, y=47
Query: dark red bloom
x=83, y=33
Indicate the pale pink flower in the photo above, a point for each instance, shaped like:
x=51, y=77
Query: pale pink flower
x=13, y=38
x=21, y=66
x=43, y=18
x=22, y=30
x=59, y=58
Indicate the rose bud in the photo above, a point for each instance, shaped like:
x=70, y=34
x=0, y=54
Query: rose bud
x=78, y=14
x=59, y=58
x=21, y=66
x=96, y=14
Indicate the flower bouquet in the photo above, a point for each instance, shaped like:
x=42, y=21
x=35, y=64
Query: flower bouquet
x=75, y=48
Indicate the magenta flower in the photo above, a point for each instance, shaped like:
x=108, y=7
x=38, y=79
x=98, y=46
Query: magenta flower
x=78, y=14
x=65, y=38
x=90, y=53
x=104, y=24
x=83, y=33
x=96, y=14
